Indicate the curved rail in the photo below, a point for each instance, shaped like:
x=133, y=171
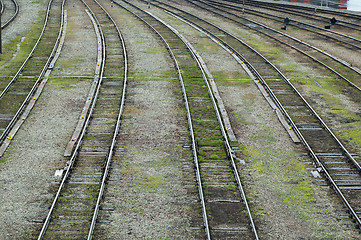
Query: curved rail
x=116, y=131
x=229, y=150
x=16, y=5
x=2, y=7
x=318, y=163
x=289, y=45
x=294, y=11
x=277, y=70
x=77, y=148
x=189, y=118
x=302, y=25
x=306, y=8
x=33, y=89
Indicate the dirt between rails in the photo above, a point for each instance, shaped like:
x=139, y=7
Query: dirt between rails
x=284, y=199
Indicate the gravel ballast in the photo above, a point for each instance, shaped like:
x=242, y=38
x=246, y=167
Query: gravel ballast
x=37, y=149
x=155, y=197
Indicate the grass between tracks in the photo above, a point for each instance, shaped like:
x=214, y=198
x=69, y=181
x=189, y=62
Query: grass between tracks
x=329, y=95
x=288, y=185
x=25, y=47
x=277, y=178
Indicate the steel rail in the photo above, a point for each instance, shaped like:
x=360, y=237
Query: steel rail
x=2, y=7
x=299, y=25
x=306, y=15
x=6, y=89
x=189, y=117
x=33, y=89
x=117, y=126
x=16, y=5
x=229, y=149
x=289, y=45
x=77, y=148
x=317, y=162
x=307, y=8
x=280, y=73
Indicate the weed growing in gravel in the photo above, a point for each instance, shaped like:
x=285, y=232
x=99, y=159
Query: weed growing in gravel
x=3, y=159
x=8, y=50
x=204, y=45
x=232, y=78
x=353, y=134
x=152, y=182
x=25, y=48
x=240, y=119
x=156, y=50
x=231, y=186
x=262, y=46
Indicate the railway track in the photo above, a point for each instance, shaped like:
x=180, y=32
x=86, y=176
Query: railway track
x=9, y=17
x=329, y=35
x=74, y=211
x=331, y=158
x=223, y=211
x=18, y=91
x=310, y=9
x=322, y=20
x=340, y=68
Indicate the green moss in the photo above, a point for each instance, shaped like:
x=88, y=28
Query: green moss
x=214, y=156
x=89, y=137
x=240, y=118
x=231, y=186
x=66, y=63
x=300, y=193
x=8, y=50
x=249, y=151
x=25, y=48
x=204, y=45
x=155, y=50
x=352, y=134
x=232, y=78
x=262, y=46
x=152, y=182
